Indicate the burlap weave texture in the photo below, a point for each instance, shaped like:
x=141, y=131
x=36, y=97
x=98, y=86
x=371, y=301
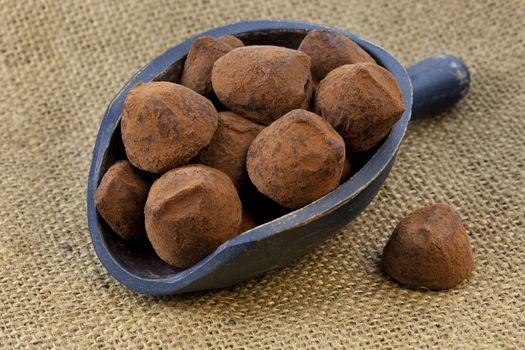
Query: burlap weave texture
x=61, y=62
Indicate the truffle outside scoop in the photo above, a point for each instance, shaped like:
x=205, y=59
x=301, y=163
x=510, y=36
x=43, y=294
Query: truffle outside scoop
x=429, y=249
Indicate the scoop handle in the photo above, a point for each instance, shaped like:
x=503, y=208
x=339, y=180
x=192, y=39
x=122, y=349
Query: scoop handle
x=437, y=83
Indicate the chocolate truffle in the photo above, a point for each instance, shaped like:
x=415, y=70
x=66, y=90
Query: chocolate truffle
x=204, y=51
x=262, y=83
x=330, y=49
x=190, y=211
x=362, y=102
x=347, y=170
x=297, y=159
x=229, y=145
x=164, y=125
x=429, y=249
x=120, y=200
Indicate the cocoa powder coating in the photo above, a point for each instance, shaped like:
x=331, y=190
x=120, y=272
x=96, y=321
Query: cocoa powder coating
x=189, y=212
x=330, y=49
x=429, y=249
x=362, y=102
x=229, y=145
x=204, y=51
x=164, y=125
x=120, y=200
x=262, y=83
x=297, y=159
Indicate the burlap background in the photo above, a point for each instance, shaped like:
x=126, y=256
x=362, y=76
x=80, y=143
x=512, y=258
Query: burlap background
x=61, y=62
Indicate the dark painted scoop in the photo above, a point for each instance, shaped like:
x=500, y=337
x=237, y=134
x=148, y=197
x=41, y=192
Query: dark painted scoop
x=432, y=84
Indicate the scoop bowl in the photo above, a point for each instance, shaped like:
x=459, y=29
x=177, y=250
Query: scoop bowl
x=435, y=84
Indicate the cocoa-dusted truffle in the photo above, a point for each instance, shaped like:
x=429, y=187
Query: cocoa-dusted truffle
x=120, y=200
x=429, y=249
x=297, y=159
x=330, y=49
x=229, y=145
x=263, y=83
x=190, y=211
x=204, y=51
x=362, y=102
x=164, y=125
x=347, y=170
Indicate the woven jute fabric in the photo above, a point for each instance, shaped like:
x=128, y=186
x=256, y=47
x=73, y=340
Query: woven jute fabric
x=61, y=63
